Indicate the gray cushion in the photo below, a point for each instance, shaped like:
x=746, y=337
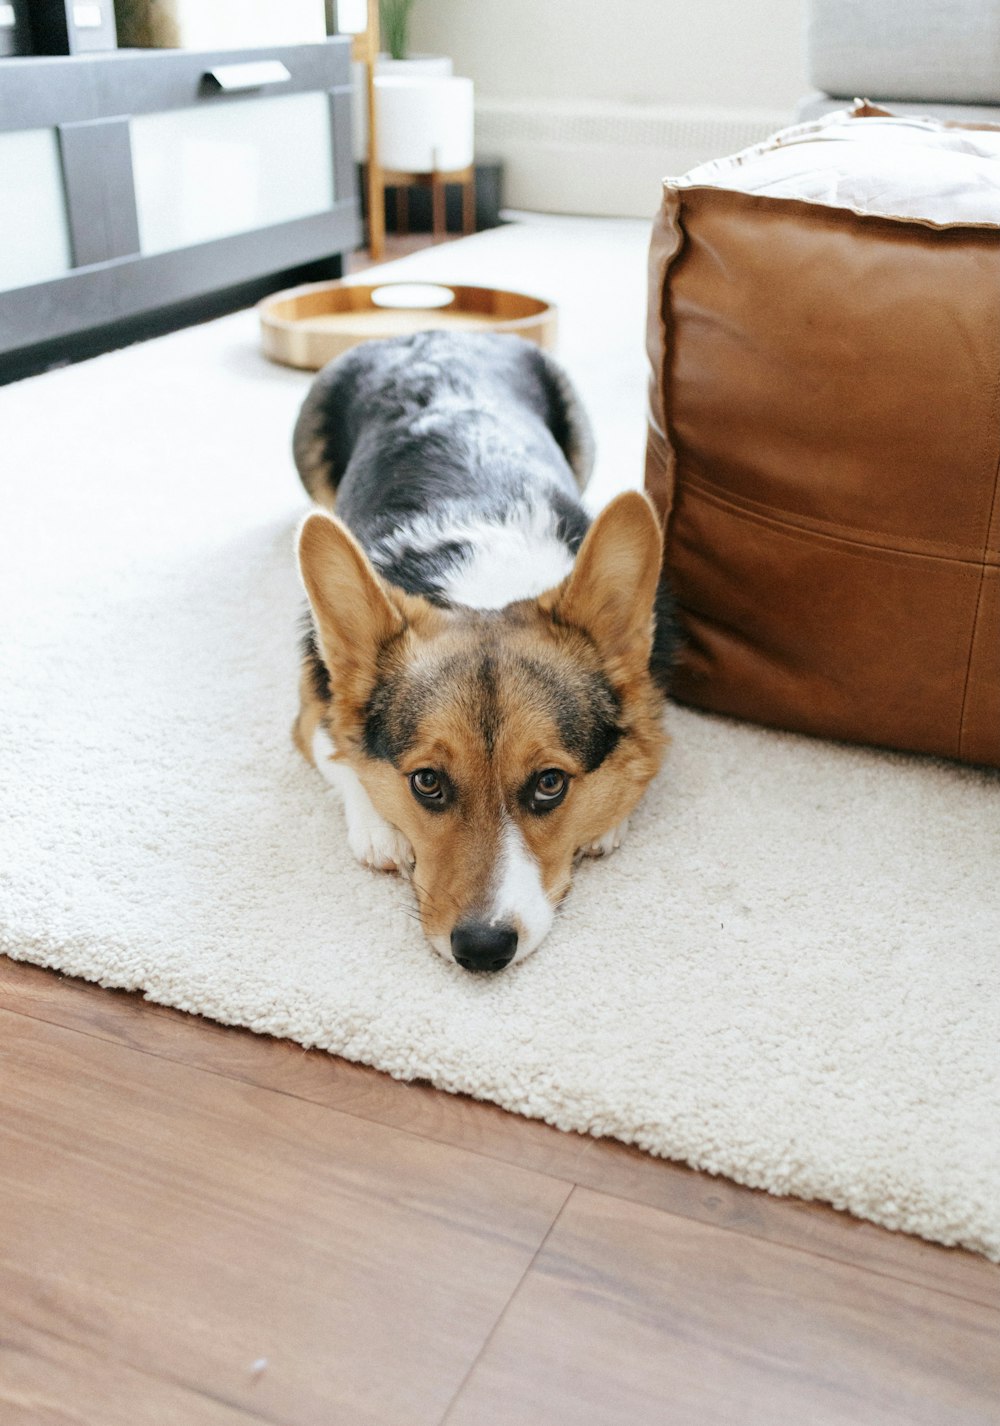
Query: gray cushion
x=906, y=49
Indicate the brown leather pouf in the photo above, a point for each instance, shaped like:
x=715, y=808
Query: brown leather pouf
x=823, y=447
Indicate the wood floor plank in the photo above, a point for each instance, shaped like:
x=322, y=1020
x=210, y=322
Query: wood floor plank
x=45, y=1381
x=815, y=1228
x=629, y=1314
x=189, y=1225
x=603, y=1165
x=313, y=1075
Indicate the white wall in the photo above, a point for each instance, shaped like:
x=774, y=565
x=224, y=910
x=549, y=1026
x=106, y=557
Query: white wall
x=591, y=103
x=727, y=52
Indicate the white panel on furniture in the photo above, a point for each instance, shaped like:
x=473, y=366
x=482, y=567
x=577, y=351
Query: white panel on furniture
x=212, y=171
x=34, y=233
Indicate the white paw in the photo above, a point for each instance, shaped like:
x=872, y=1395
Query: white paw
x=377, y=843
x=607, y=844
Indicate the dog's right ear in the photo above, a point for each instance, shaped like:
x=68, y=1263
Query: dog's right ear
x=355, y=618
x=610, y=591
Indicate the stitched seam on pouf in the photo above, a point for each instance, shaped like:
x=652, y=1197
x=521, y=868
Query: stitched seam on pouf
x=987, y=561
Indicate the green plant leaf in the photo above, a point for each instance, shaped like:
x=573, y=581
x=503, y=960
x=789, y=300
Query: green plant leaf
x=394, y=16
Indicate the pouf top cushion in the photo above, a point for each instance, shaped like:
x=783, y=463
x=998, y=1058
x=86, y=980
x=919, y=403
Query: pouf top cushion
x=893, y=165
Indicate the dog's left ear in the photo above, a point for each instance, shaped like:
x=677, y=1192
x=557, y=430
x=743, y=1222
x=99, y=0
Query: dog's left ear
x=611, y=590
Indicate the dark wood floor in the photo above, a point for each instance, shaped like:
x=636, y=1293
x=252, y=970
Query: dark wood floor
x=206, y=1227
x=396, y=247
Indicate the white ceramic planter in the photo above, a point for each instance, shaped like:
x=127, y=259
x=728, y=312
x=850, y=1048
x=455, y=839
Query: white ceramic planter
x=425, y=123
x=424, y=66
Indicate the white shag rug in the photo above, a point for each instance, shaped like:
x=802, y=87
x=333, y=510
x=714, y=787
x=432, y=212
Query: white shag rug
x=788, y=974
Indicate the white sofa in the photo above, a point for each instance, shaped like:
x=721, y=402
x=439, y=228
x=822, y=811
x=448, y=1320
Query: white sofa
x=938, y=57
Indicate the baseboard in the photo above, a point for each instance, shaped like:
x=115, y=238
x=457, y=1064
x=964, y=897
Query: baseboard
x=607, y=159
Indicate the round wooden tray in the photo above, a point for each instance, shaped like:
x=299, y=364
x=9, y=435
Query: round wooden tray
x=308, y=326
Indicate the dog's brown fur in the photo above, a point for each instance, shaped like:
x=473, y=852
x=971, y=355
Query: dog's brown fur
x=488, y=697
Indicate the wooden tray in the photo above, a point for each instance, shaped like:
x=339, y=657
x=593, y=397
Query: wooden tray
x=308, y=326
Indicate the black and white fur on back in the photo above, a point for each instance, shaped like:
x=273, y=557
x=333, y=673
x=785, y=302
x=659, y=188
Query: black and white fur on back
x=456, y=461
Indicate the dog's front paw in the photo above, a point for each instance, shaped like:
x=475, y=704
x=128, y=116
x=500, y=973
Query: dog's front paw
x=379, y=845
x=607, y=844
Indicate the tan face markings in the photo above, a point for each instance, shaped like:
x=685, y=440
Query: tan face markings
x=476, y=714
x=485, y=674
x=486, y=723
x=486, y=702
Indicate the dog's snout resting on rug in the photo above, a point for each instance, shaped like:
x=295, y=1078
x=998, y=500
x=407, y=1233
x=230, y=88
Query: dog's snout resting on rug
x=484, y=667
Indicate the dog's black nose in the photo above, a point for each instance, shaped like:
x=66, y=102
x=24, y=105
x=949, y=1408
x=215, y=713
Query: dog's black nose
x=478, y=947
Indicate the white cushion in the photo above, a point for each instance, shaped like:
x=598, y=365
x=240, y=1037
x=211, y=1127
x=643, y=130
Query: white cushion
x=899, y=167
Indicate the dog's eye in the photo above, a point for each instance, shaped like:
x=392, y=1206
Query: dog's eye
x=550, y=788
x=426, y=785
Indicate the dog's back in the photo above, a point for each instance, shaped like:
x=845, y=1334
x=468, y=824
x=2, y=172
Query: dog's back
x=457, y=461
x=429, y=444
x=382, y=390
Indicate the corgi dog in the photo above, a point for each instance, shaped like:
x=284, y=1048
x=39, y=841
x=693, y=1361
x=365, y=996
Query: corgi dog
x=484, y=668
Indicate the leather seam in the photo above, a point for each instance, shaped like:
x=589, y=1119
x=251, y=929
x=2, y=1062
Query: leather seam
x=946, y=550
x=985, y=564
x=664, y=376
x=832, y=217
x=976, y=565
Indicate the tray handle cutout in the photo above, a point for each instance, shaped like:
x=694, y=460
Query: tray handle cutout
x=412, y=295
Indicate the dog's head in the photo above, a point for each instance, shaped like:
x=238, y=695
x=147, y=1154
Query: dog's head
x=501, y=743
